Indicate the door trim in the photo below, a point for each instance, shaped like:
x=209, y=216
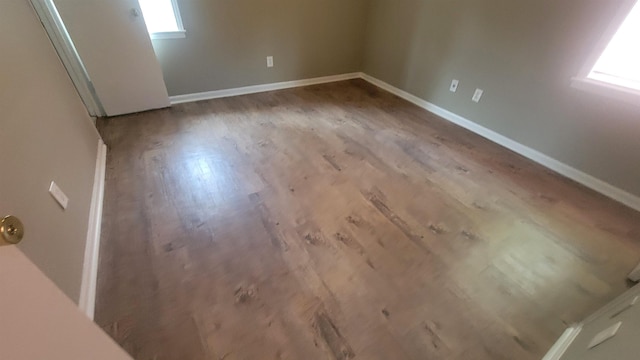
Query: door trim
x=87, y=299
x=66, y=50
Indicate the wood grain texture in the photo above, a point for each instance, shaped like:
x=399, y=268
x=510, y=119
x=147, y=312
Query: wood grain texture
x=341, y=222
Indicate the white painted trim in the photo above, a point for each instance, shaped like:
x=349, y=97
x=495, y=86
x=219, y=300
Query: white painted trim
x=583, y=178
x=87, y=299
x=563, y=343
x=176, y=13
x=179, y=99
x=162, y=35
x=63, y=44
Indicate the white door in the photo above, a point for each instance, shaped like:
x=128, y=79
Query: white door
x=609, y=333
x=112, y=40
x=37, y=321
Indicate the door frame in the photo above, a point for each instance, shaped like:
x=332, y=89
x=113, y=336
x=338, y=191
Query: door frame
x=57, y=32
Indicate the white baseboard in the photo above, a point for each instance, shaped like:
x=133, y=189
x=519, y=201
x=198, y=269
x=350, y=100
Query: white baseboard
x=583, y=178
x=179, y=99
x=87, y=300
x=563, y=343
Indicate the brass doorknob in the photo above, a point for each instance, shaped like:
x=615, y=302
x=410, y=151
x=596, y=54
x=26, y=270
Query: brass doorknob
x=11, y=229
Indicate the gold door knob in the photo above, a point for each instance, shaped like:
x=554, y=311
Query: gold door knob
x=11, y=229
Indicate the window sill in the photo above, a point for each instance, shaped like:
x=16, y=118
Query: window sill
x=606, y=89
x=178, y=34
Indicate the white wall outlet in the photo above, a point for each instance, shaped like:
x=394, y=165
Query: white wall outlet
x=477, y=95
x=269, y=61
x=454, y=86
x=57, y=194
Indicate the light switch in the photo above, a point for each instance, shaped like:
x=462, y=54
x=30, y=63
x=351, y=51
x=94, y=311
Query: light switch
x=57, y=194
x=604, y=335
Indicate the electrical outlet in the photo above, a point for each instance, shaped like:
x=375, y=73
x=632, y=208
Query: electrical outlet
x=269, y=61
x=477, y=95
x=58, y=195
x=454, y=86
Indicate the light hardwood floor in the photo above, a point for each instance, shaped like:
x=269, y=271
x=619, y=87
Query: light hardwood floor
x=339, y=221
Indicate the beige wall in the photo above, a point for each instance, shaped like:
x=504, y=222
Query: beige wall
x=522, y=53
x=45, y=134
x=228, y=41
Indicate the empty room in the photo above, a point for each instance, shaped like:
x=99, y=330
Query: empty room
x=335, y=179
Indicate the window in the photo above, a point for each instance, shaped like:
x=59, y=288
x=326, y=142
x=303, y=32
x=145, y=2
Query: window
x=162, y=18
x=615, y=71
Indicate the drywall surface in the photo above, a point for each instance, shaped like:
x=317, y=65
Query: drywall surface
x=523, y=55
x=227, y=42
x=45, y=134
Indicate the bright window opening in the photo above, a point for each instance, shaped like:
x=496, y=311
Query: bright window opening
x=619, y=64
x=162, y=18
x=613, y=70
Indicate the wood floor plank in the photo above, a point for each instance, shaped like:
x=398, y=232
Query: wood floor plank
x=340, y=222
